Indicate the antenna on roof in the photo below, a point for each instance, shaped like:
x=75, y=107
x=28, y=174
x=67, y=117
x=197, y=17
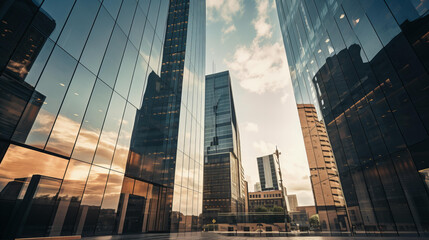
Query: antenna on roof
x=213, y=67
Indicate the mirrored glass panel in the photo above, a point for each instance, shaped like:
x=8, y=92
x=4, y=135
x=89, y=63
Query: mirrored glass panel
x=79, y=23
x=121, y=154
x=126, y=70
x=91, y=201
x=69, y=198
x=113, y=7
x=29, y=185
x=67, y=124
x=109, y=207
x=36, y=124
x=112, y=58
x=92, y=122
x=109, y=135
x=57, y=11
x=97, y=41
x=126, y=15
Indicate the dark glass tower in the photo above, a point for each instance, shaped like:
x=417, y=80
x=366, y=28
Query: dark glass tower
x=101, y=116
x=364, y=65
x=224, y=190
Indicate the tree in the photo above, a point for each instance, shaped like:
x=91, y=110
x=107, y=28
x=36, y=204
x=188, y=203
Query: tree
x=277, y=209
x=261, y=209
x=314, y=221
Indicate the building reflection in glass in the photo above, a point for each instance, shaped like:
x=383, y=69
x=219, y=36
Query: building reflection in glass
x=364, y=66
x=100, y=103
x=15, y=92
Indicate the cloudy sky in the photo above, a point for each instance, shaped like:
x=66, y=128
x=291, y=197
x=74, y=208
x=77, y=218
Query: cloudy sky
x=243, y=36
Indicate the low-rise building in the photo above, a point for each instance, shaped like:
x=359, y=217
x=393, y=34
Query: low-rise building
x=267, y=199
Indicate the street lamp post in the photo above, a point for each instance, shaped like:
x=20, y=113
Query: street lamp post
x=277, y=153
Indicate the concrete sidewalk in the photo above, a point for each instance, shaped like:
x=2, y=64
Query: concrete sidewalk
x=213, y=236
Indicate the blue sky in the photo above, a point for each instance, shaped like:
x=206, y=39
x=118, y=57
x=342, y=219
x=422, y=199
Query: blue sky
x=243, y=36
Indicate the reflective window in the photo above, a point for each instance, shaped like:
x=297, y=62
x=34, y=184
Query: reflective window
x=113, y=7
x=382, y=19
x=137, y=27
x=139, y=82
x=123, y=144
x=97, y=41
x=126, y=15
x=34, y=177
x=78, y=25
x=109, y=208
x=112, y=58
x=69, y=119
x=16, y=16
x=36, y=124
x=141, y=188
x=30, y=56
x=58, y=11
x=162, y=19
x=155, y=54
x=147, y=40
x=69, y=198
x=109, y=135
x=153, y=12
x=144, y=5
x=125, y=75
x=19, y=162
x=127, y=185
x=179, y=169
x=91, y=201
x=92, y=122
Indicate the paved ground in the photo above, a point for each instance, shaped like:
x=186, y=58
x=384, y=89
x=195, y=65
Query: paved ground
x=213, y=236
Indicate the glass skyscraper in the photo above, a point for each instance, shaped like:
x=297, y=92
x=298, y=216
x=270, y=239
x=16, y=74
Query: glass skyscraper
x=364, y=64
x=268, y=176
x=101, y=116
x=224, y=185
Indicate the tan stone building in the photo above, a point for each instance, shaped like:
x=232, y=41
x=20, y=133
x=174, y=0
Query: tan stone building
x=325, y=181
x=267, y=199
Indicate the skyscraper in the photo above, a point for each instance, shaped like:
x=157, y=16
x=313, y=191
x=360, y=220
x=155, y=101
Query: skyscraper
x=293, y=202
x=364, y=65
x=101, y=117
x=268, y=176
x=325, y=181
x=224, y=190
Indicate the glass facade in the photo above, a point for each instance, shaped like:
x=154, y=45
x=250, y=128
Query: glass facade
x=224, y=185
x=101, y=105
x=364, y=65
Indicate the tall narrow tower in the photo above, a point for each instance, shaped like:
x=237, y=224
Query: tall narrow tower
x=224, y=185
x=325, y=181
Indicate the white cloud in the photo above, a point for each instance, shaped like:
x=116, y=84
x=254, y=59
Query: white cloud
x=284, y=98
x=264, y=148
x=223, y=9
x=229, y=29
x=260, y=68
x=251, y=127
x=226, y=31
x=261, y=23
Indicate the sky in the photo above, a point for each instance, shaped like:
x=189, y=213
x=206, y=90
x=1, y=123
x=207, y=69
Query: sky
x=243, y=36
